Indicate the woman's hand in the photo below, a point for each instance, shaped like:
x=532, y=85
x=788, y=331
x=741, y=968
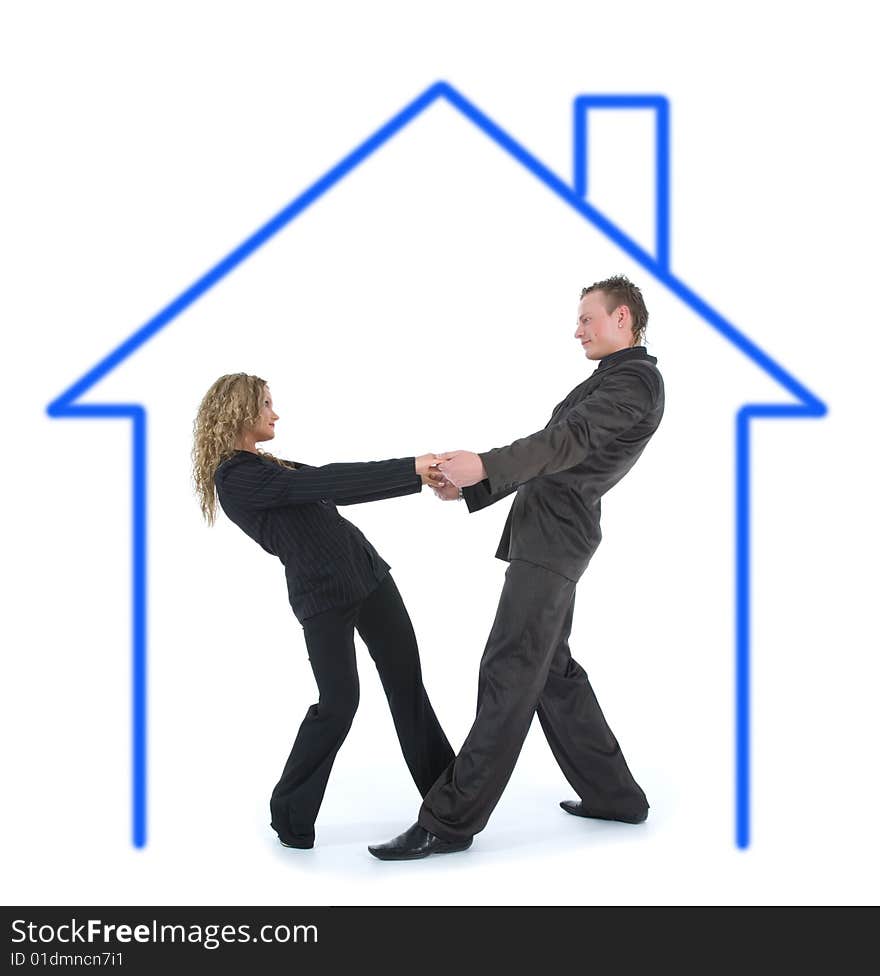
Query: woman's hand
x=426, y=469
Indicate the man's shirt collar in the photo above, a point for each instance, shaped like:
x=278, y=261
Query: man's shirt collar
x=633, y=352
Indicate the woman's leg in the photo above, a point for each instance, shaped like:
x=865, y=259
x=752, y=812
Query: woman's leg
x=386, y=629
x=297, y=797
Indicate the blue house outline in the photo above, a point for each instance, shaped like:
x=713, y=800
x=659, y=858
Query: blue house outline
x=807, y=405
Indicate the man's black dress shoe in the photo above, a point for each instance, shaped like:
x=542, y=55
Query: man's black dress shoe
x=300, y=845
x=415, y=843
x=577, y=809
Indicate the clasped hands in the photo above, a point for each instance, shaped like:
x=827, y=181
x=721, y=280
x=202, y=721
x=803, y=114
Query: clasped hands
x=446, y=473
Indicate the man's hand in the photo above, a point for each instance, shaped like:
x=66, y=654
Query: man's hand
x=462, y=468
x=447, y=492
x=426, y=469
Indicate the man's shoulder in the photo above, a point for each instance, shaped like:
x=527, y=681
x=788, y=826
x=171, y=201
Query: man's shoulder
x=642, y=372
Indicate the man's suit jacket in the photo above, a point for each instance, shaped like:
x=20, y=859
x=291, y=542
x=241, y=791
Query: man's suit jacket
x=291, y=514
x=595, y=435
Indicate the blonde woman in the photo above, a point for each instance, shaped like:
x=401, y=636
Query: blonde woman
x=337, y=583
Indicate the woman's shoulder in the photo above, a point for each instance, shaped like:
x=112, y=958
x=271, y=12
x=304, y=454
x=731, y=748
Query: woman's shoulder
x=281, y=462
x=232, y=461
x=253, y=457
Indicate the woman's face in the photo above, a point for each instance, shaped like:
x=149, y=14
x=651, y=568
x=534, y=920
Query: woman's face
x=264, y=429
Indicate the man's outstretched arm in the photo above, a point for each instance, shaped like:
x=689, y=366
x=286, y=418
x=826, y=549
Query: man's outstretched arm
x=617, y=406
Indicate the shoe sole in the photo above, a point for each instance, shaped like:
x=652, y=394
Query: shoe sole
x=296, y=847
x=449, y=849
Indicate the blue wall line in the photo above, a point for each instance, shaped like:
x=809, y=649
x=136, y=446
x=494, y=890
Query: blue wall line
x=743, y=612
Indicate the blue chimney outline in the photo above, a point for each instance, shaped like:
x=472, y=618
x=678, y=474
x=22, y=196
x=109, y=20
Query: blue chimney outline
x=660, y=106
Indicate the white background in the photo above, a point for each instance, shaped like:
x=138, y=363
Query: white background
x=141, y=144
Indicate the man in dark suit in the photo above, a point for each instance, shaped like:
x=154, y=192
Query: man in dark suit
x=595, y=435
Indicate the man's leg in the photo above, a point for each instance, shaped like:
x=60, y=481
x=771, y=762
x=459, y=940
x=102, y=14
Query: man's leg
x=582, y=742
x=531, y=613
x=297, y=796
x=386, y=629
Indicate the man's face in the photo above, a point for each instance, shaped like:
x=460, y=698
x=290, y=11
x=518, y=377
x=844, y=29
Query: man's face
x=601, y=333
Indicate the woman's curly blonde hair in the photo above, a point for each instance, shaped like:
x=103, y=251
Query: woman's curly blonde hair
x=230, y=406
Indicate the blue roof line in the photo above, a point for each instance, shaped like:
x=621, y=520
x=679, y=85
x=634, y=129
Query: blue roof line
x=61, y=406
x=626, y=243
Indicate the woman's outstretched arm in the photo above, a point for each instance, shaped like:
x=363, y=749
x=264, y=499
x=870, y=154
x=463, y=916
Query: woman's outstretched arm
x=256, y=483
